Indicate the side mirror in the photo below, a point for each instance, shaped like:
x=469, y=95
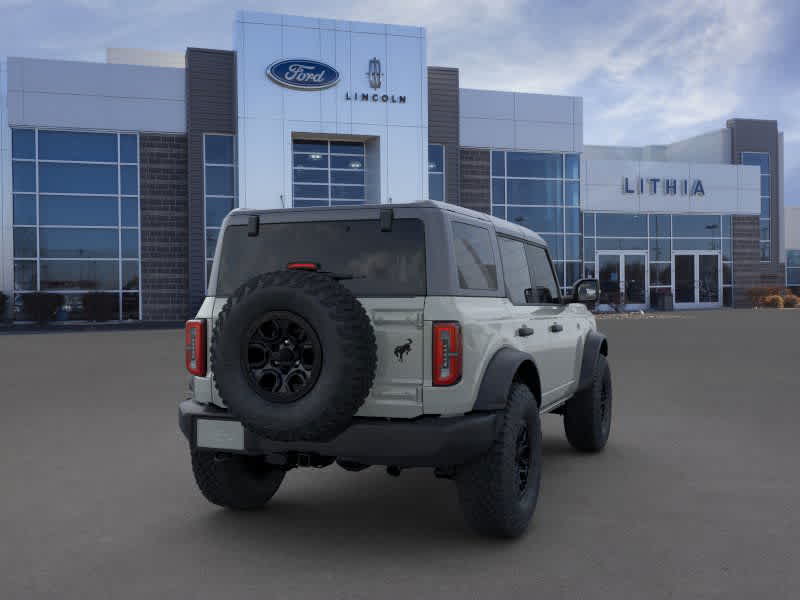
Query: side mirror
x=586, y=291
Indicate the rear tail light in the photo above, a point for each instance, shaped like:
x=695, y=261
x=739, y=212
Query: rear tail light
x=196, y=347
x=447, y=359
x=303, y=266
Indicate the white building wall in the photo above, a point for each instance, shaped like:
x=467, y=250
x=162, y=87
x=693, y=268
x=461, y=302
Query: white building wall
x=147, y=58
x=729, y=189
x=519, y=121
x=713, y=147
x=269, y=114
x=791, y=228
x=81, y=95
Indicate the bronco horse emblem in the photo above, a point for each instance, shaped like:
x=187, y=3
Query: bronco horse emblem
x=402, y=350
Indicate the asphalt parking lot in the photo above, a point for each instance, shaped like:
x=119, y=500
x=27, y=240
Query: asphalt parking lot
x=696, y=496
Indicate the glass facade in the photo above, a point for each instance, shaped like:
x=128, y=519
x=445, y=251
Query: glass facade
x=541, y=191
x=761, y=160
x=219, y=166
x=436, y=172
x=327, y=173
x=793, y=268
x=76, y=219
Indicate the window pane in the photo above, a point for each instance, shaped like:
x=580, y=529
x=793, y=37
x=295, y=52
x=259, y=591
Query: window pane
x=572, y=189
x=572, y=273
x=435, y=158
x=23, y=176
x=130, y=307
x=765, y=251
x=474, y=257
x=77, y=210
x=130, y=212
x=549, y=220
x=765, y=208
x=763, y=229
x=347, y=148
x=588, y=249
x=301, y=203
x=624, y=225
x=23, y=144
x=621, y=243
x=435, y=186
x=572, y=220
x=522, y=191
x=311, y=175
x=25, y=275
x=727, y=273
x=661, y=274
x=573, y=163
x=78, y=243
x=529, y=164
x=555, y=244
x=660, y=249
x=348, y=192
x=498, y=191
x=588, y=224
x=316, y=161
x=695, y=244
x=660, y=226
x=572, y=247
x=128, y=149
x=358, y=177
x=765, y=185
x=588, y=270
x=24, y=209
x=219, y=181
x=499, y=212
x=346, y=162
x=545, y=286
x=216, y=210
x=727, y=296
x=130, y=243
x=793, y=258
x=129, y=180
x=77, y=179
x=515, y=270
x=130, y=274
x=211, y=242
x=498, y=163
x=74, y=145
x=793, y=277
x=759, y=159
x=79, y=275
x=346, y=202
x=727, y=226
x=25, y=242
x=310, y=146
x=219, y=149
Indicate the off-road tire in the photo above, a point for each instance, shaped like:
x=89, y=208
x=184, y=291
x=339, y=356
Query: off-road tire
x=489, y=488
x=235, y=481
x=587, y=415
x=348, y=349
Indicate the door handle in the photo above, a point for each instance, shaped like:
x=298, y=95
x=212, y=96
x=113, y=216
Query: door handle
x=524, y=331
x=556, y=327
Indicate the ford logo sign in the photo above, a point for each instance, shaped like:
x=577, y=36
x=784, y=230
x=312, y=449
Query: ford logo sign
x=303, y=74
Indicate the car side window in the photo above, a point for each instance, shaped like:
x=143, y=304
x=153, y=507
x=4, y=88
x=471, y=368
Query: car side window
x=545, y=285
x=477, y=269
x=515, y=270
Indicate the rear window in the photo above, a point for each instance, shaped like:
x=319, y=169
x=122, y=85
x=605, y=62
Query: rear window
x=382, y=263
x=474, y=257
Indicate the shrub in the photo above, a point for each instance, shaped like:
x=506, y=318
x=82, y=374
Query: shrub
x=773, y=301
x=99, y=306
x=790, y=301
x=41, y=306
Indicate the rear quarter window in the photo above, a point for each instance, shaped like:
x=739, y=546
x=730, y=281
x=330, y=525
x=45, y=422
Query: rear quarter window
x=477, y=267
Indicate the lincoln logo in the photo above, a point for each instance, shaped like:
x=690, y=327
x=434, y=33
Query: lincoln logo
x=374, y=74
x=301, y=74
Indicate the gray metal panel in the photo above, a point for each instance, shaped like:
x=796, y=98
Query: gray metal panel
x=210, y=108
x=475, y=179
x=443, y=124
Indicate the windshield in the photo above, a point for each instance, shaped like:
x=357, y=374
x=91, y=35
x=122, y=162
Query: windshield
x=381, y=263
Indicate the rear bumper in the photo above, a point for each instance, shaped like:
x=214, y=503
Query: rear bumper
x=423, y=442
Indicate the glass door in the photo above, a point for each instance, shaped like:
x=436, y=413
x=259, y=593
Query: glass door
x=697, y=279
x=623, y=279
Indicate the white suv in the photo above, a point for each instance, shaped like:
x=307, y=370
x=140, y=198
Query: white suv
x=409, y=335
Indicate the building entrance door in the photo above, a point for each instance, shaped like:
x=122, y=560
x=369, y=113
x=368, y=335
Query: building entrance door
x=623, y=279
x=697, y=279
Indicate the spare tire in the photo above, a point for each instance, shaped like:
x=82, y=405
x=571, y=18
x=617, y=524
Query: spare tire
x=293, y=355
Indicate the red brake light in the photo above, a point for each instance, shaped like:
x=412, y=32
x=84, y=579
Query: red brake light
x=303, y=266
x=196, y=347
x=447, y=359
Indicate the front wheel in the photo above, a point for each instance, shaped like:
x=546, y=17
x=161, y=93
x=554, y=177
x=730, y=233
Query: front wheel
x=587, y=415
x=498, y=492
x=235, y=481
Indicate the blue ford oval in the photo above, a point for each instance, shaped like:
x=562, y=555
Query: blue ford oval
x=303, y=74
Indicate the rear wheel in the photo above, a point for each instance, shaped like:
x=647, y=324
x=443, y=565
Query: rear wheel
x=587, y=415
x=498, y=492
x=235, y=481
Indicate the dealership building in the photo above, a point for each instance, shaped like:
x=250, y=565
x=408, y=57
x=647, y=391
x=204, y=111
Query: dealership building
x=115, y=176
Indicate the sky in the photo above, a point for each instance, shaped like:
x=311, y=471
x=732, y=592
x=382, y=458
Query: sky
x=649, y=72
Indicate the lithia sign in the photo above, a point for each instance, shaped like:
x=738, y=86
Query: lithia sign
x=667, y=186
x=306, y=74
